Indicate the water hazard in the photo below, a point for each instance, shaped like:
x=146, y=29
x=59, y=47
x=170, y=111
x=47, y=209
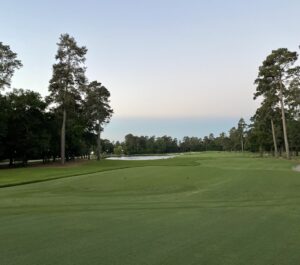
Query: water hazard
x=141, y=157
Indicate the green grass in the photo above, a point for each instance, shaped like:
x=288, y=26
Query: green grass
x=208, y=208
x=20, y=176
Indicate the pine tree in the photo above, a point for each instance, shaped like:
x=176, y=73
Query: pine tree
x=68, y=80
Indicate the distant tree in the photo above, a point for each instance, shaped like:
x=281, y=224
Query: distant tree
x=68, y=80
x=294, y=129
x=147, y=145
x=118, y=150
x=150, y=145
x=223, y=142
x=293, y=100
x=268, y=113
x=8, y=64
x=98, y=109
x=191, y=144
x=274, y=75
x=293, y=97
x=107, y=146
x=235, y=139
x=131, y=144
x=241, y=131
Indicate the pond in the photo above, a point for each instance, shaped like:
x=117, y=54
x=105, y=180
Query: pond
x=154, y=157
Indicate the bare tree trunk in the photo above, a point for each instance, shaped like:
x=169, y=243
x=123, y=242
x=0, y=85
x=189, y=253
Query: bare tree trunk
x=274, y=139
x=286, y=143
x=63, y=138
x=99, y=143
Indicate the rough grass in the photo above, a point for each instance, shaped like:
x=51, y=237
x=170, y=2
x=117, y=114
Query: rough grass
x=208, y=208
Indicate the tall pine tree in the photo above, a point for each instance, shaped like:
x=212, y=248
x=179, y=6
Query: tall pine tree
x=68, y=80
x=274, y=75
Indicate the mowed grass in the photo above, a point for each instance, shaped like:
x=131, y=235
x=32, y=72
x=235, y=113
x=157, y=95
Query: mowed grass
x=207, y=208
x=20, y=176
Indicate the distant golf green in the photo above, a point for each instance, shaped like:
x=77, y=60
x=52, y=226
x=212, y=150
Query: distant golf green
x=204, y=208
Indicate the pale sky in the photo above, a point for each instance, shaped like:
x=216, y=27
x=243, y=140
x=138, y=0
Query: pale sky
x=173, y=61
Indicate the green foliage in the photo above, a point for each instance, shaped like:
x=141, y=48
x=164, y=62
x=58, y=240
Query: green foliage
x=97, y=102
x=149, y=145
x=166, y=144
x=278, y=85
x=8, y=64
x=4, y=111
x=277, y=68
x=118, y=150
x=26, y=135
x=98, y=109
x=68, y=78
x=34, y=128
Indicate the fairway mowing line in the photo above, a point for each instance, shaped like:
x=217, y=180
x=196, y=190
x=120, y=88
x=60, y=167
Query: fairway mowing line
x=208, y=188
x=87, y=173
x=247, y=169
x=57, y=178
x=142, y=207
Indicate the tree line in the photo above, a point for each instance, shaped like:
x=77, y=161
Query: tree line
x=66, y=123
x=235, y=140
x=274, y=128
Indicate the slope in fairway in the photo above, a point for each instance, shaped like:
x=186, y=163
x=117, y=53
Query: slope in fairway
x=209, y=208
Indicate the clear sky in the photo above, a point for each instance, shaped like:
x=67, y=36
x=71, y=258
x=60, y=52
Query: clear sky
x=173, y=67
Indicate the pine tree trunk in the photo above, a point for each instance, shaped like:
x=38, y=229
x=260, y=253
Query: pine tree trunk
x=274, y=139
x=99, y=143
x=286, y=143
x=63, y=138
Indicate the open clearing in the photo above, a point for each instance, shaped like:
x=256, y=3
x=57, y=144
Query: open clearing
x=208, y=208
